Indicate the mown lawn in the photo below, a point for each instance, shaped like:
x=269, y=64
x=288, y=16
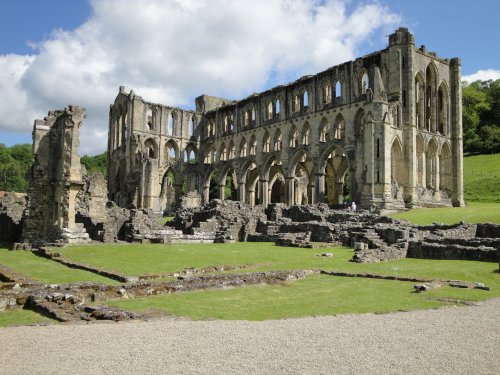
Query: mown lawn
x=45, y=270
x=142, y=259
x=475, y=212
x=315, y=295
x=22, y=317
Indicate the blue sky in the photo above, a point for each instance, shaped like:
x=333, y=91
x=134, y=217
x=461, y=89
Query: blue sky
x=59, y=52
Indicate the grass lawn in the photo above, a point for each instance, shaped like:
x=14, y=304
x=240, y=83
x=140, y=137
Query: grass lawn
x=44, y=270
x=475, y=212
x=154, y=258
x=482, y=178
x=314, y=296
x=21, y=317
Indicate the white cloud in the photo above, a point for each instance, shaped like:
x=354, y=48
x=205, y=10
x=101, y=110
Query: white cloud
x=169, y=51
x=482, y=75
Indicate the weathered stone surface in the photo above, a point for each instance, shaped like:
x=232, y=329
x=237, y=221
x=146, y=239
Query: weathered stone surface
x=391, y=120
x=12, y=206
x=55, y=178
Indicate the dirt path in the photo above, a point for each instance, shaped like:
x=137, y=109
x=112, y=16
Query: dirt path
x=453, y=340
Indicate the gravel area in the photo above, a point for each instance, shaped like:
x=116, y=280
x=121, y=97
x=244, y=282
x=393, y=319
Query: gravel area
x=454, y=340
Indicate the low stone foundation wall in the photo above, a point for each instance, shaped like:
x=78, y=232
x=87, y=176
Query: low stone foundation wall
x=428, y=250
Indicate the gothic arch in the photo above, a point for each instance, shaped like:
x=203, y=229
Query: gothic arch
x=443, y=107
x=445, y=168
x=339, y=127
x=397, y=163
x=292, y=138
x=420, y=150
x=324, y=130
x=151, y=148
x=432, y=166
x=171, y=150
x=306, y=134
x=243, y=147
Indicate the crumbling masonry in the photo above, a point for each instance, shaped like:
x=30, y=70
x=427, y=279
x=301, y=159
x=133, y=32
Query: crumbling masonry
x=390, y=120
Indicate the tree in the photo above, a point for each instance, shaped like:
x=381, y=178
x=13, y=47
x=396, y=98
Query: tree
x=481, y=116
x=95, y=164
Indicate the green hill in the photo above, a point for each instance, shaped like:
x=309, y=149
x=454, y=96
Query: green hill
x=482, y=178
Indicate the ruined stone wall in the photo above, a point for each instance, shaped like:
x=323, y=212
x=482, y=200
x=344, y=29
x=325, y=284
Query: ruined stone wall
x=55, y=179
x=12, y=206
x=390, y=121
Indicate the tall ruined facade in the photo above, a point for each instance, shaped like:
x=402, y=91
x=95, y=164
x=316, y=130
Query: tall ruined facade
x=55, y=178
x=385, y=128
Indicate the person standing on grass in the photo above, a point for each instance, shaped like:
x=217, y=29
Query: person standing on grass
x=353, y=206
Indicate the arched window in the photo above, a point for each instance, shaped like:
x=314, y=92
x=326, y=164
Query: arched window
x=364, y=83
x=225, y=124
x=171, y=150
x=306, y=134
x=339, y=127
x=191, y=126
x=170, y=125
x=253, y=146
x=243, y=148
x=151, y=149
x=231, y=150
x=266, y=143
x=253, y=116
x=323, y=130
x=338, y=89
x=327, y=93
x=293, y=137
x=306, y=99
x=278, y=106
x=269, y=111
x=277, y=140
x=149, y=119
x=296, y=103
x=222, y=152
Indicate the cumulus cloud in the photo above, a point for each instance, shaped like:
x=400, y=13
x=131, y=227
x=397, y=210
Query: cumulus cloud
x=482, y=75
x=169, y=51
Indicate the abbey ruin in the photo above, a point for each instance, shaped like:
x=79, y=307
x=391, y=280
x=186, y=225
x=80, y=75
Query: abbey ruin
x=383, y=131
x=386, y=128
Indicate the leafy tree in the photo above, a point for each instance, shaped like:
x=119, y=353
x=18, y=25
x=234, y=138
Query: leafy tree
x=14, y=165
x=95, y=164
x=481, y=116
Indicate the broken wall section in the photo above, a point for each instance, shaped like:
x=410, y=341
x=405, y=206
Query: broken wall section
x=55, y=179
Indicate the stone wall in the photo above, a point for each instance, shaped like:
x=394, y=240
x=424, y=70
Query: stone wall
x=55, y=179
x=12, y=206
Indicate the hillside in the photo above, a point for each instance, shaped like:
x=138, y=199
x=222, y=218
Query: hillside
x=482, y=178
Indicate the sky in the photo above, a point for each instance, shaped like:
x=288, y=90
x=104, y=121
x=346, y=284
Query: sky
x=59, y=52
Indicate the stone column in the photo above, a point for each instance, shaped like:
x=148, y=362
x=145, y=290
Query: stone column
x=311, y=193
x=339, y=192
x=241, y=191
x=220, y=190
x=320, y=187
x=206, y=194
x=289, y=190
x=457, y=195
x=251, y=197
x=263, y=192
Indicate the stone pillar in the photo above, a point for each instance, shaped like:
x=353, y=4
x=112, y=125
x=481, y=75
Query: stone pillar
x=206, y=194
x=251, y=197
x=339, y=193
x=457, y=194
x=220, y=191
x=320, y=187
x=289, y=190
x=241, y=191
x=311, y=192
x=263, y=192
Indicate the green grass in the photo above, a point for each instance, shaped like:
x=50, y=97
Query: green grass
x=314, y=296
x=475, y=212
x=21, y=317
x=164, y=220
x=482, y=178
x=44, y=270
x=153, y=258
